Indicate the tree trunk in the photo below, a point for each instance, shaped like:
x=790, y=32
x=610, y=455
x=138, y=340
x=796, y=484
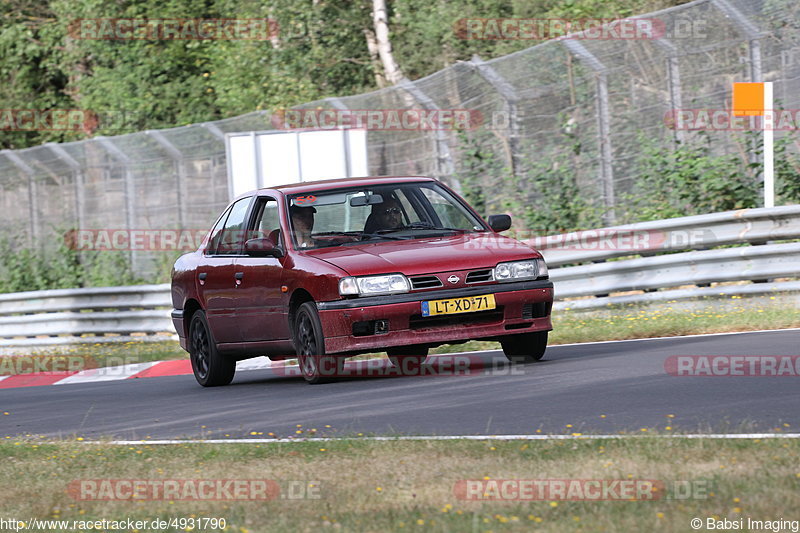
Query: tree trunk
x=374, y=57
x=380, y=19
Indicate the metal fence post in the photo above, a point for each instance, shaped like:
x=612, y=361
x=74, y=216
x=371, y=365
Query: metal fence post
x=130, y=188
x=180, y=172
x=603, y=127
x=750, y=30
x=444, y=160
x=220, y=135
x=753, y=35
x=33, y=210
x=509, y=95
x=673, y=81
x=80, y=201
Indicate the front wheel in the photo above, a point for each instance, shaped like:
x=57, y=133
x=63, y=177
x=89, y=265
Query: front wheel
x=408, y=359
x=526, y=347
x=210, y=367
x=315, y=365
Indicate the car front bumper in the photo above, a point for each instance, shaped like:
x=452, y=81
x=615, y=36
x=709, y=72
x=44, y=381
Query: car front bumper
x=379, y=322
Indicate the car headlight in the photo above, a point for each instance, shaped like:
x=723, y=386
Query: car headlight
x=373, y=285
x=517, y=270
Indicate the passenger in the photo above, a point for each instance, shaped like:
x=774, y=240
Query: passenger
x=302, y=224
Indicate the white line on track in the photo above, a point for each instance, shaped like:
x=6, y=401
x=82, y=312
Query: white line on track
x=453, y=437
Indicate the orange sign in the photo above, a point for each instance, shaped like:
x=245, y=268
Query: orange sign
x=748, y=99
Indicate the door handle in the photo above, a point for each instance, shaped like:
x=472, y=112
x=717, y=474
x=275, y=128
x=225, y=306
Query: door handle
x=202, y=276
x=239, y=275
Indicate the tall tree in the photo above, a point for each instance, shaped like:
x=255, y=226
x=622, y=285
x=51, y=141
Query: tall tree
x=380, y=18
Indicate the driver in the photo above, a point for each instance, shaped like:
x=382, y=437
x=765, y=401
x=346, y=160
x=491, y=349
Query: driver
x=385, y=215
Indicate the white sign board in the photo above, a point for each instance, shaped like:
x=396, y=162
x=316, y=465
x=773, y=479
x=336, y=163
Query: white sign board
x=266, y=159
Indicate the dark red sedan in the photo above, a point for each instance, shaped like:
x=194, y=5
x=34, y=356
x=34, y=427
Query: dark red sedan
x=324, y=270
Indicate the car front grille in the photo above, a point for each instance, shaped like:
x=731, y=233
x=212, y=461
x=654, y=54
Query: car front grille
x=477, y=276
x=425, y=282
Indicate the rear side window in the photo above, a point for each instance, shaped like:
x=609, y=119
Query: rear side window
x=231, y=237
x=216, y=232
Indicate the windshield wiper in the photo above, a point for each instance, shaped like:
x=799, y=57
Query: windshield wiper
x=418, y=225
x=377, y=235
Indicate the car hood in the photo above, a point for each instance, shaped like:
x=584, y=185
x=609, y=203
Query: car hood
x=428, y=255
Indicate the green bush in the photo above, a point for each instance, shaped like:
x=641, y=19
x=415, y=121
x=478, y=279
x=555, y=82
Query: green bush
x=689, y=180
x=23, y=268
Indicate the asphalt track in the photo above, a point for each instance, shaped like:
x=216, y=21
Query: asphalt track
x=599, y=388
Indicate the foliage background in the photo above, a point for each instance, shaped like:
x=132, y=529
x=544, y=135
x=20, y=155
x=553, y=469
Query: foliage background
x=322, y=51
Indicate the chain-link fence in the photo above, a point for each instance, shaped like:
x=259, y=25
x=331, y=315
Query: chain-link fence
x=584, y=106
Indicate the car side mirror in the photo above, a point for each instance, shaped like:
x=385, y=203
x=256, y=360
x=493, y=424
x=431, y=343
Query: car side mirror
x=499, y=222
x=262, y=247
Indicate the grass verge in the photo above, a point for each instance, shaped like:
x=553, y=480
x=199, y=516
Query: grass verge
x=360, y=485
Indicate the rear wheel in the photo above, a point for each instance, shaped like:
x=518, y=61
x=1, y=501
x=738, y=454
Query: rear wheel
x=525, y=348
x=408, y=358
x=315, y=365
x=210, y=367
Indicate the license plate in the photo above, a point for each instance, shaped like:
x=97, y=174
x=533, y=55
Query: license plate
x=451, y=306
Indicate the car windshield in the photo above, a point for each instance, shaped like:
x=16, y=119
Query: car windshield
x=405, y=211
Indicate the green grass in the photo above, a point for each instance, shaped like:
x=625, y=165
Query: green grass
x=635, y=322
x=409, y=485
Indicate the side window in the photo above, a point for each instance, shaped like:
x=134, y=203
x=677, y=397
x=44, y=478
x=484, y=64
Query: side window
x=267, y=221
x=216, y=233
x=233, y=233
x=449, y=214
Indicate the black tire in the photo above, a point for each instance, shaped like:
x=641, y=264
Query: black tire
x=526, y=347
x=315, y=365
x=211, y=368
x=408, y=359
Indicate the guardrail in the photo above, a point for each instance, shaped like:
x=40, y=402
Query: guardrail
x=67, y=316
x=662, y=261
x=753, y=226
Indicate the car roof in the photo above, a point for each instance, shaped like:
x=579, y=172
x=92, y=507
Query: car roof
x=320, y=185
